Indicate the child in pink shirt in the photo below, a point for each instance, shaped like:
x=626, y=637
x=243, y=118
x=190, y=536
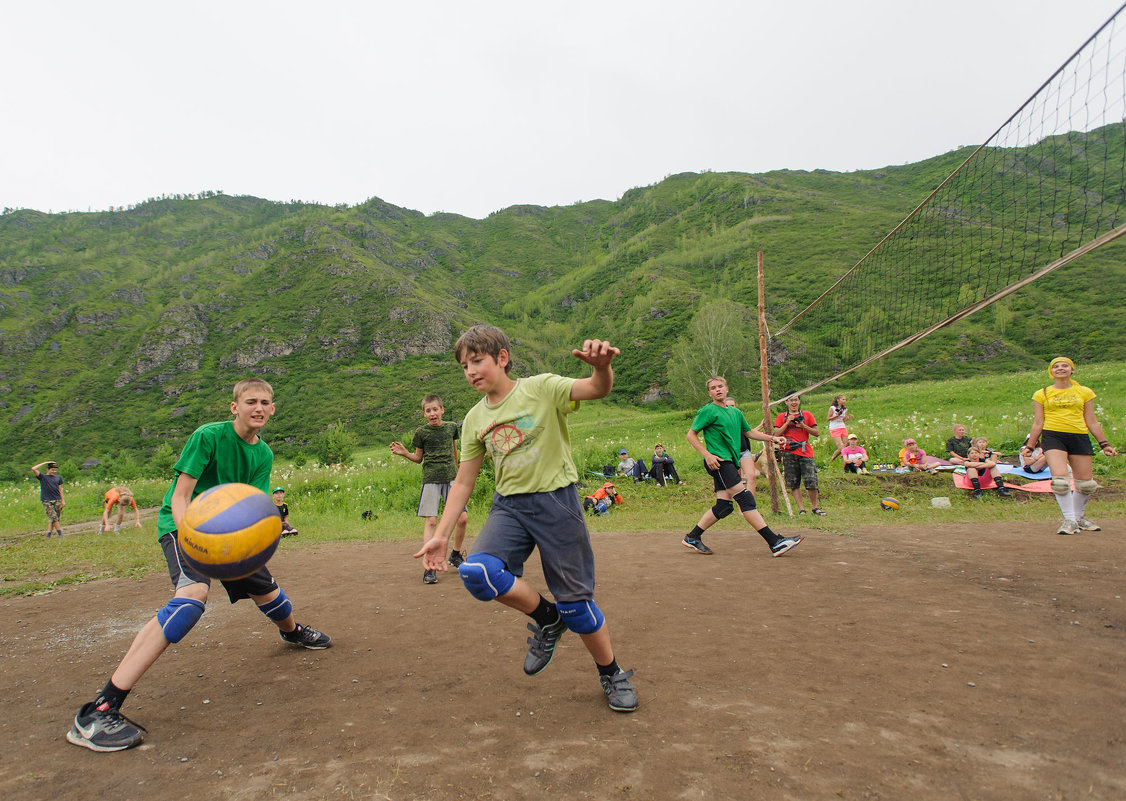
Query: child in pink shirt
x=855, y=458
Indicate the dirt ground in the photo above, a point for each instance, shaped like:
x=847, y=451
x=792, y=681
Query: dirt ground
x=916, y=663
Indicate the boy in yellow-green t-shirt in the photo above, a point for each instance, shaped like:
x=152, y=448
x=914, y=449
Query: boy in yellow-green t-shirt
x=522, y=425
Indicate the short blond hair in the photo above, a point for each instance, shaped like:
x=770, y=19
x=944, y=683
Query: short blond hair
x=718, y=378
x=248, y=384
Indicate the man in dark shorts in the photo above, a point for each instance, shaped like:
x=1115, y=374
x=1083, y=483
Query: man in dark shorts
x=721, y=426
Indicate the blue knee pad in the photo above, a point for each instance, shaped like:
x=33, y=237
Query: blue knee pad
x=485, y=576
x=178, y=617
x=746, y=500
x=581, y=617
x=278, y=609
x=722, y=508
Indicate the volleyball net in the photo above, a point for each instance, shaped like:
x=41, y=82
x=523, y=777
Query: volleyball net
x=1046, y=188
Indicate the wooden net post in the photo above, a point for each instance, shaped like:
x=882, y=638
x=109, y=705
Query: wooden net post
x=772, y=471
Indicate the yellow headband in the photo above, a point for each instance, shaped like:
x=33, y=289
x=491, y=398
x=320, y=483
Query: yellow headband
x=1057, y=360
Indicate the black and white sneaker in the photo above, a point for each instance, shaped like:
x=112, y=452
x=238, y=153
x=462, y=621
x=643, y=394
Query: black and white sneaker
x=620, y=694
x=786, y=544
x=429, y=577
x=696, y=545
x=455, y=559
x=307, y=637
x=541, y=645
x=104, y=729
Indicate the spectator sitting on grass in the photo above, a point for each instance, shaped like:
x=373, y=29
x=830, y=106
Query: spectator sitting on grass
x=912, y=456
x=855, y=457
x=633, y=468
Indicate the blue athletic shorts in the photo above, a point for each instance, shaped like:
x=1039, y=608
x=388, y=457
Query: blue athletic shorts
x=554, y=523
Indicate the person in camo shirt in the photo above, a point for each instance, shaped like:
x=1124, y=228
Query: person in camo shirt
x=435, y=448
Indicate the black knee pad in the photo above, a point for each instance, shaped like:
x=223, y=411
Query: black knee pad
x=722, y=508
x=746, y=501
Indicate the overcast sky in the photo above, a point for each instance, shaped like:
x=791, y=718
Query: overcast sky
x=470, y=107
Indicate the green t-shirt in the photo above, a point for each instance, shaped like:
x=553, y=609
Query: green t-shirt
x=721, y=427
x=437, y=443
x=526, y=435
x=216, y=455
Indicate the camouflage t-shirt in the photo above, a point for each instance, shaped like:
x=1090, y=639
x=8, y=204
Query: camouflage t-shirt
x=438, y=444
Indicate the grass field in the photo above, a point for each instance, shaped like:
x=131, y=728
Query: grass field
x=326, y=502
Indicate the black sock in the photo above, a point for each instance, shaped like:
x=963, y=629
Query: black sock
x=455, y=552
x=545, y=614
x=768, y=535
x=111, y=695
x=976, y=482
x=695, y=533
x=611, y=669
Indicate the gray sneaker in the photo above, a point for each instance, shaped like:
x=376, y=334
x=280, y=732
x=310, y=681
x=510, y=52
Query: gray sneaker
x=541, y=645
x=620, y=694
x=104, y=730
x=1068, y=527
x=307, y=637
x=1087, y=525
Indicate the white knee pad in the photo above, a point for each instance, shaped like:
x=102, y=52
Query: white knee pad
x=1061, y=485
x=1086, y=486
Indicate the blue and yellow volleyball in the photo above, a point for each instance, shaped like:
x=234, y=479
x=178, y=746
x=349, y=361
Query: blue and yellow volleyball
x=230, y=531
x=889, y=504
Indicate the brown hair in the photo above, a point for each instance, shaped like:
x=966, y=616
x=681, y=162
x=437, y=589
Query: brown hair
x=431, y=399
x=252, y=383
x=486, y=340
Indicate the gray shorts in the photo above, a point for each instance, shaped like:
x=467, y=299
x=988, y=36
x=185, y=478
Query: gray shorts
x=553, y=522
x=431, y=498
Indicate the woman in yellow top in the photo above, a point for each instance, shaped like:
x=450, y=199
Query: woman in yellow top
x=1062, y=416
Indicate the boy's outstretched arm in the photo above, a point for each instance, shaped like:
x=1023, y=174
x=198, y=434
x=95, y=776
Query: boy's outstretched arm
x=598, y=354
x=433, y=552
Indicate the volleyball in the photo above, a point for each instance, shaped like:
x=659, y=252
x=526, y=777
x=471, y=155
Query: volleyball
x=889, y=504
x=230, y=531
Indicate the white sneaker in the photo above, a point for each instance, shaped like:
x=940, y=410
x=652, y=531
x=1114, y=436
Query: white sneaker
x=1087, y=525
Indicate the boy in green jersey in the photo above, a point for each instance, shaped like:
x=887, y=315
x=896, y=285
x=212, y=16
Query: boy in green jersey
x=722, y=427
x=217, y=453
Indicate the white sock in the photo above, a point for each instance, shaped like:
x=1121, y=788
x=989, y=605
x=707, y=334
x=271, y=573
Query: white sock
x=1079, y=503
x=1066, y=506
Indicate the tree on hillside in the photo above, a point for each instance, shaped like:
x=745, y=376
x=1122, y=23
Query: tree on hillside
x=722, y=339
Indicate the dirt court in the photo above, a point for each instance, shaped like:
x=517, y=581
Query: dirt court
x=930, y=662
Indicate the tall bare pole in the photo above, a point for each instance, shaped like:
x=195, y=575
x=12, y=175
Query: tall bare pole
x=767, y=423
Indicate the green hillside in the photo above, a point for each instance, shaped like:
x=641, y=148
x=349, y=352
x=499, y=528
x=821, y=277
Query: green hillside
x=123, y=330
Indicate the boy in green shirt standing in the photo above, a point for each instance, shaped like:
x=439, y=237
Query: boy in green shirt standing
x=435, y=447
x=722, y=427
x=522, y=425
